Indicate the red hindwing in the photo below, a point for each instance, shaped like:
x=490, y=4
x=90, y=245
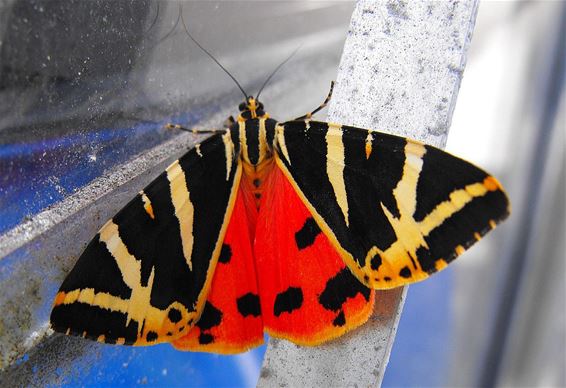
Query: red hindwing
x=292, y=283
x=307, y=293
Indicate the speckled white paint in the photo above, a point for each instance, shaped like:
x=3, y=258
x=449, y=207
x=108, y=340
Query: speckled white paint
x=402, y=66
x=400, y=73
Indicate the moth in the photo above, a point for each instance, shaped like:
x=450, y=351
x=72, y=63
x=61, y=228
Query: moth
x=286, y=228
x=279, y=227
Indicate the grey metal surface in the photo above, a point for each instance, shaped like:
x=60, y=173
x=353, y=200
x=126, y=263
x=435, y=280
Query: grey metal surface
x=511, y=335
x=400, y=73
x=509, y=325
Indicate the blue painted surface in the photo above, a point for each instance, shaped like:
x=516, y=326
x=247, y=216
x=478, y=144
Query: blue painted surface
x=162, y=365
x=40, y=172
x=422, y=347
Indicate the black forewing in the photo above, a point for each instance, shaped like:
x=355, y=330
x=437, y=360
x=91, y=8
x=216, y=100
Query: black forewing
x=134, y=282
x=395, y=209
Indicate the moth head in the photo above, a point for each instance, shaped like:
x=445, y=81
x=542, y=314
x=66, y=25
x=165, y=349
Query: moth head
x=251, y=109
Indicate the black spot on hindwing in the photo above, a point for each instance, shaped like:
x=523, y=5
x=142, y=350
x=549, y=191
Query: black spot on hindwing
x=248, y=304
x=339, y=288
x=205, y=338
x=340, y=319
x=225, y=254
x=210, y=317
x=307, y=234
x=288, y=301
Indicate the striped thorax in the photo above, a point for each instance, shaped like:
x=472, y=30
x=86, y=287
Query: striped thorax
x=254, y=130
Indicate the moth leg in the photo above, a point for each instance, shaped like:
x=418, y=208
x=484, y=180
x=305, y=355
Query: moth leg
x=194, y=130
x=310, y=114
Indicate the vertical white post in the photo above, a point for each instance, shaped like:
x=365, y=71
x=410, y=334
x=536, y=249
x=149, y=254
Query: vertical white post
x=400, y=73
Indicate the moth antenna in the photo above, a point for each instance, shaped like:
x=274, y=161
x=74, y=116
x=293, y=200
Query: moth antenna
x=154, y=21
x=171, y=31
x=277, y=69
x=210, y=55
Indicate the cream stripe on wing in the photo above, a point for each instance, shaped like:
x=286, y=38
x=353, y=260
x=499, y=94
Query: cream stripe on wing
x=335, y=167
x=184, y=209
x=243, y=139
x=409, y=235
x=130, y=268
x=280, y=133
x=406, y=191
x=229, y=151
x=154, y=319
x=444, y=210
x=262, y=140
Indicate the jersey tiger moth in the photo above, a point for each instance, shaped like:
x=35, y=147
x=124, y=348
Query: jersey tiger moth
x=286, y=228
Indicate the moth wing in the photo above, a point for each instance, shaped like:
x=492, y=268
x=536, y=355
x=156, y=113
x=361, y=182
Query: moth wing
x=231, y=321
x=144, y=278
x=307, y=293
x=395, y=209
